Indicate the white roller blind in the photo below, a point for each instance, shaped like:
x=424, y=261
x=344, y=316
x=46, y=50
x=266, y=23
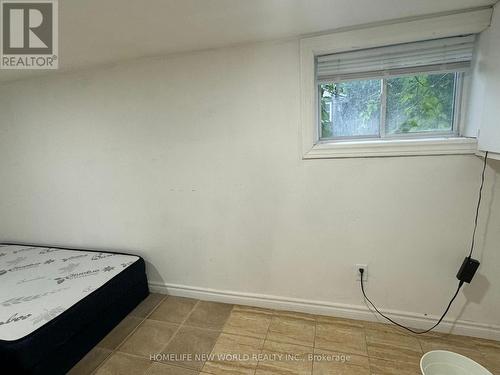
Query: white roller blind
x=439, y=54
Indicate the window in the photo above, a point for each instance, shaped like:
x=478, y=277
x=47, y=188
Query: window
x=410, y=90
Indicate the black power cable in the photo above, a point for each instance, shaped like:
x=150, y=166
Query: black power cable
x=478, y=205
x=402, y=326
x=460, y=284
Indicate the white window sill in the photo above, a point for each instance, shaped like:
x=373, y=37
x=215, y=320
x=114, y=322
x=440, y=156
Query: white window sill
x=392, y=147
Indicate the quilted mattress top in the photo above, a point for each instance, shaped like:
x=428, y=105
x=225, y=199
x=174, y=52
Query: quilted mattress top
x=37, y=284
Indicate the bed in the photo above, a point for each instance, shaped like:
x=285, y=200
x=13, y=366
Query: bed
x=56, y=304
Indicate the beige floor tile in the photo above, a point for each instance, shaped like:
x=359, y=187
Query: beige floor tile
x=252, y=309
x=275, y=371
x=448, y=339
x=339, y=321
x=340, y=338
x=282, y=358
x=490, y=350
x=492, y=366
x=322, y=355
x=394, y=339
x=335, y=363
x=90, y=362
x=299, y=351
x=296, y=315
x=383, y=367
x=148, y=305
x=292, y=330
x=469, y=342
x=234, y=355
x=435, y=335
x=484, y=343
x=113, y=339
x=393, y=346
x=389, y=328
x=228, y=368
x=209, y=315
x=173, y=310
x=341, y=345
x=394, y=353
x=234, y=344
x=195, y=342
x=248, y=322
x=122, y=364
x=149, y=339
x=164, y=369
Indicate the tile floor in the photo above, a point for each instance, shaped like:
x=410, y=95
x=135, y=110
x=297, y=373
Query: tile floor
x=243, y=340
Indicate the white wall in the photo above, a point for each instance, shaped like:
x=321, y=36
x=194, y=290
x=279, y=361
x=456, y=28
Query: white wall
x=194, y=162
x=486, y=89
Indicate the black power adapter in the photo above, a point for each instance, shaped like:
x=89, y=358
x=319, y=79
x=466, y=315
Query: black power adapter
x=468, y=270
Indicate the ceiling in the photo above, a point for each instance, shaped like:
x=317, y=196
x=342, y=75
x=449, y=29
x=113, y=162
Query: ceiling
x=94, y=32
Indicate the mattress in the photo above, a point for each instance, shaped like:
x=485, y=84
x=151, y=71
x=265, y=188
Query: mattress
x=55, y=301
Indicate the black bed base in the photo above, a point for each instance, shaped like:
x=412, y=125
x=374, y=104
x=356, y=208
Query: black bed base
x=58, y=345
x=63, y=359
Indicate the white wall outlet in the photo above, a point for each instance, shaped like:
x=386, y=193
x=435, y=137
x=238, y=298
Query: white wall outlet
x=365, y=274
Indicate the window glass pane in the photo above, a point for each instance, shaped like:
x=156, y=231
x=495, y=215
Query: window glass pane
x=350, y=109
x=420, y=103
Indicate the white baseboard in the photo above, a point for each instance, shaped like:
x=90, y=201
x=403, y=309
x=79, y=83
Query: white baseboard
x=359, y=312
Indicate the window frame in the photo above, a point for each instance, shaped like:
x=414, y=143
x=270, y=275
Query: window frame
x=405, y=31
x=457, y=108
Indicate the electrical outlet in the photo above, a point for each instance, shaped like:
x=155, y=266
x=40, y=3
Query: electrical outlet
x=358, y=274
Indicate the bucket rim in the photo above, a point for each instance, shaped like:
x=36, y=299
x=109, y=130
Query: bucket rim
x=452, y=353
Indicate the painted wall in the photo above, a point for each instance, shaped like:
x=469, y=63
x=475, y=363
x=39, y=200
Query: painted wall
x=486, y=89
x=193, y=161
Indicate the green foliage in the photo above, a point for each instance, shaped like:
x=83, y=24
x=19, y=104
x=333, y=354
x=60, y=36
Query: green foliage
x=355, y=107
x=326, y=93
x=416, y=103
x=420, y=103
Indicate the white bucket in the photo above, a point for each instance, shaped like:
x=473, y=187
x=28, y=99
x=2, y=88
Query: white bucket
x=442, y=362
